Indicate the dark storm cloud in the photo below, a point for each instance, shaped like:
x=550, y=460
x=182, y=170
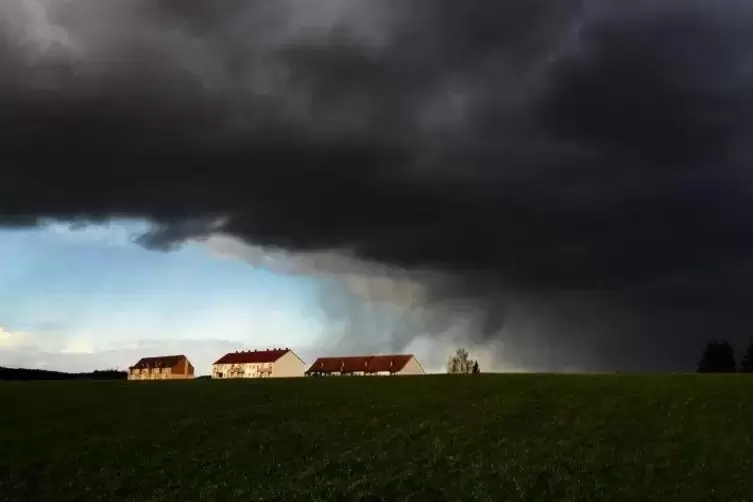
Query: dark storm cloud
x=585, y=160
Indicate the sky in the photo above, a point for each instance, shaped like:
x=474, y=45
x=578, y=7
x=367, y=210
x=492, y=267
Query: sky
x=565, y=183
x=91, y=298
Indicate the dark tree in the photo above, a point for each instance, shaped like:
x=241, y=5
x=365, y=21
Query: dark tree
x=718, y=357
x=36, y=374
x=475, y=370
x=746, y=365
x=460, y=363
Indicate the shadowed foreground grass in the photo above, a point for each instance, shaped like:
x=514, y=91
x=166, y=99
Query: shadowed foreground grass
x=485, y=437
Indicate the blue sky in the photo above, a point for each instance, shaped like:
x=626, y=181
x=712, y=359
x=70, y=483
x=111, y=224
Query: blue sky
x=69, y=295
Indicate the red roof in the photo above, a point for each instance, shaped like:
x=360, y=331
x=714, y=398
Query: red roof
x=252, y=356
x=367, y=364
x=158, y=362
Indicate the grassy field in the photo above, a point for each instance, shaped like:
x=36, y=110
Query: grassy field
x=434, y=438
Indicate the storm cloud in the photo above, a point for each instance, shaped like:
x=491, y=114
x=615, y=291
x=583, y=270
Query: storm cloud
x=576, y=172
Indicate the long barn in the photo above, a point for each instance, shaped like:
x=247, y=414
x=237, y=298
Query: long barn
x=403, y=364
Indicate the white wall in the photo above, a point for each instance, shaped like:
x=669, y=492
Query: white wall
x=289, y=365
x=226, y=369
x=220, y=368
x=412, y=368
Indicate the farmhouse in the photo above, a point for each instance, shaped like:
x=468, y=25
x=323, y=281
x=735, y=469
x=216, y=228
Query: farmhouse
x=161, y=368
x=272, y=363
x=366, y=365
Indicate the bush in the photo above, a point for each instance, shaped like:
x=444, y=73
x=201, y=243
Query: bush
x=746, y=365
x=718, y=357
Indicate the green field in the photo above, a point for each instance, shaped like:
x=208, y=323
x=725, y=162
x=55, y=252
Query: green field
x=433, y=438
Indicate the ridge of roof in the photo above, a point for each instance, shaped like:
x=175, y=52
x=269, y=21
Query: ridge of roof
x=159, y=361
x=253, y=356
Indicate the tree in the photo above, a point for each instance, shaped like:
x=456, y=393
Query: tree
x=460, y=364
x=476, y=369
x=718, y=357
x=453, y=365
x=746, y=365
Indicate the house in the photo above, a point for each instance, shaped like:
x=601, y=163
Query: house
x=161, y=368
x=405, y=364
x=272, y=363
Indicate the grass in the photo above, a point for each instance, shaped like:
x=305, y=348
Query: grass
x=434, y=438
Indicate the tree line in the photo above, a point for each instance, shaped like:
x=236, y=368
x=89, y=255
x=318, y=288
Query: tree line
x=719, y=357
x=35, y=374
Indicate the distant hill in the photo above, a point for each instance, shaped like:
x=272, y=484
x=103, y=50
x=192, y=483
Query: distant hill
x=34, y=374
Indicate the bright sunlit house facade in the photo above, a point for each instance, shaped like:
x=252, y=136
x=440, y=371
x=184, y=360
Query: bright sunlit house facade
x=161, y=368
x=272, y=363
